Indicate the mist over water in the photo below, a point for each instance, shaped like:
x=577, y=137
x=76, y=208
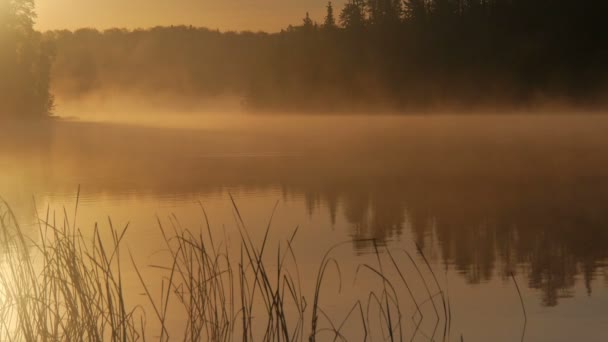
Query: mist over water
x=482, y=195
x=415, y=170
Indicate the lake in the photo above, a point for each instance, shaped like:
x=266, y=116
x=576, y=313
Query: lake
x=483, y=197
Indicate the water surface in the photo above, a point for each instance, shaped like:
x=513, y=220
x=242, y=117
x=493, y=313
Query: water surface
x=482, y=196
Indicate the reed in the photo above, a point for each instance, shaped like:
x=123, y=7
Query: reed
x=68, y=287
x=62, y=288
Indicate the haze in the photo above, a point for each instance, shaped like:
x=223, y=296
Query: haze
x=303, y=170
x=238, y=15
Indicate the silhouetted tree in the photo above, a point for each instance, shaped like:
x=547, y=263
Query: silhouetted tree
x=330, y=20
x=25, y=62
x=352, y=16
x=308, y=24
x=384, y=12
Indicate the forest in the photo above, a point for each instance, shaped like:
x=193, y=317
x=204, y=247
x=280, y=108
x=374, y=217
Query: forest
x=370, y=55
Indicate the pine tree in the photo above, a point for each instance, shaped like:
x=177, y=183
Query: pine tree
x=330, y=20
x=308, y=24
x=384, y=12
x=353, y=15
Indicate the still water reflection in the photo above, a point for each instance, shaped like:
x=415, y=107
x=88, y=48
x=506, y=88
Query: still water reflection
x=483, y=196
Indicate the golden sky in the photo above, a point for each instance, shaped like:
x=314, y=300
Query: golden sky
x=267, y=15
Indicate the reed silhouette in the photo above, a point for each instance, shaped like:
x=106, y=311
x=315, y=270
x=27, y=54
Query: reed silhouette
x=71, y=285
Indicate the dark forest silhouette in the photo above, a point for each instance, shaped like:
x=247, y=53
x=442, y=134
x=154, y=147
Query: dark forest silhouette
x=25, y=63
x=371, y=54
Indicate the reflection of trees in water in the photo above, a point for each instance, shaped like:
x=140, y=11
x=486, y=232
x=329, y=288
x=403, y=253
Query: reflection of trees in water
x=369, y=215
x=553, y=239
x=536, y=203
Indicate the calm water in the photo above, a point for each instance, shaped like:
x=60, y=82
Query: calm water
x=483, y=196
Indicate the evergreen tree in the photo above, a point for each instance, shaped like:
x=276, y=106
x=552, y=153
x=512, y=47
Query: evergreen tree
x=308, y=24
x=384, y=12
x=330, y=20
x=353, y=15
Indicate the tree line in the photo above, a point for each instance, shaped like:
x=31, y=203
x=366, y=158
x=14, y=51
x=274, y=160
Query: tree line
x=370, y=54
